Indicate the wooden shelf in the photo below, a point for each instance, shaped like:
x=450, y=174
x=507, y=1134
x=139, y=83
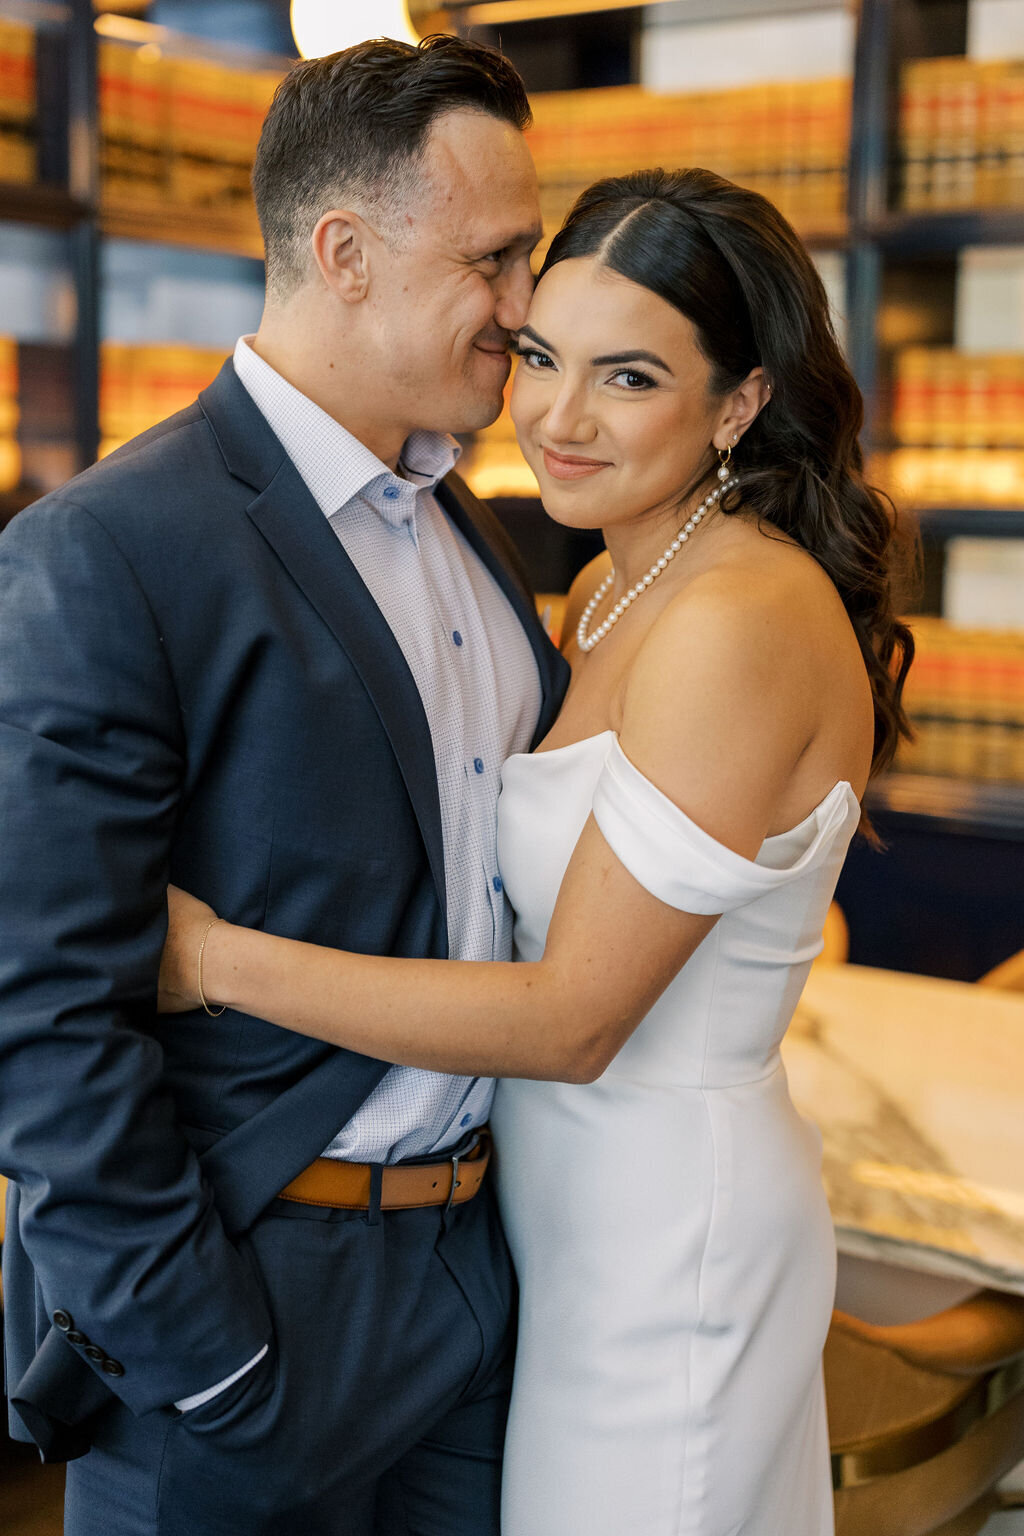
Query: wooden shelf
x=38, y=203
x=945, y=233
x=971, y=522
x=203, y=229
x=966, y=806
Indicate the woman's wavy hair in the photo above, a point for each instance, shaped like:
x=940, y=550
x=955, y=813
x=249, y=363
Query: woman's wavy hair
x=727, y=259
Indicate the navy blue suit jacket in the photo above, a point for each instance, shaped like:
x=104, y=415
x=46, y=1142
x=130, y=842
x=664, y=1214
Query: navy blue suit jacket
x=196, y=686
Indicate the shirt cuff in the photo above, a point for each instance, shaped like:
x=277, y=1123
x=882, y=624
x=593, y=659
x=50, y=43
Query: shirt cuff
x=188, y=1403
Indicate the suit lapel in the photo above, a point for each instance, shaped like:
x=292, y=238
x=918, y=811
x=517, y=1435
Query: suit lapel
x=292, y=523
x=303, y=540
x=488, y=538
x=315, y=559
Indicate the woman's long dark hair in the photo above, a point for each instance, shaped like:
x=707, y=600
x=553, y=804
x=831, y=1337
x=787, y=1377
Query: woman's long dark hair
x=727, y=259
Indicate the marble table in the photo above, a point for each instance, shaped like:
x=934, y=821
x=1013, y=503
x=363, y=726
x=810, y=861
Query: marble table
x=917, y=1086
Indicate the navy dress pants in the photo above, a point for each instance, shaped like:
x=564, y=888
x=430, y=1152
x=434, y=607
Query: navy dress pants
x=379, y=1409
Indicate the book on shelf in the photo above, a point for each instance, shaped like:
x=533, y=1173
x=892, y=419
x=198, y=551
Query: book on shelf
x=950, y=399
x=141, y=385
x=951, y=477
x=962, y=133
x=957, y=427
x=965, y=698
x=179, y=131
x=10, y=454
x=788, y=140
x=18, y=158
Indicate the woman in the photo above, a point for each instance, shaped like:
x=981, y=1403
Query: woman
x=670, y=852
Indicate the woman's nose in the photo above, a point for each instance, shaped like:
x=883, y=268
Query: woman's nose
x=567, y=419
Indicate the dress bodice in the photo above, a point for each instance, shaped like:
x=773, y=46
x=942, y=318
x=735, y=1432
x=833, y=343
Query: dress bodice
x=678, y=1273
x=721, y=1020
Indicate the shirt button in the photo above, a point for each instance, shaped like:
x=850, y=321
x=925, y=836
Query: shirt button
x=391, y=492
x=478, y=764
x=498, y=886
x=456, y=637
x=466, y=1120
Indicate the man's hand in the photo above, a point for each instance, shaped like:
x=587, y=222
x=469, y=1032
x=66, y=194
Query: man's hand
x=188, y=921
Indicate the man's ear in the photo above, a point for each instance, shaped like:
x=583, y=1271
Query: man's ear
x=341, y=245
x=742, y=406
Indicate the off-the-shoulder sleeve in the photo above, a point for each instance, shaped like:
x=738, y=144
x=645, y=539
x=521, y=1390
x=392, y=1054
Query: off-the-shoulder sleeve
x=684, y=866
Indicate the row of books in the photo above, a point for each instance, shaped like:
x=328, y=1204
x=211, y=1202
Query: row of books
x=140, y=385
x=962, y=133
x=18, y=161
x=952, y=477
x=965, y=697
x=945, y=398
x=10, y=455
x=181, y=129
x=788, y=140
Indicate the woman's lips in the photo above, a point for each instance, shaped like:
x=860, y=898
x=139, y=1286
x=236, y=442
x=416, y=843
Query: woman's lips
x=563, y=468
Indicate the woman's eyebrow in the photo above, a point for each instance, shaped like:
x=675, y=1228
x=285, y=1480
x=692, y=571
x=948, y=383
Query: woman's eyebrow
x=528, y=330
x=618, y=358
x=632, y=357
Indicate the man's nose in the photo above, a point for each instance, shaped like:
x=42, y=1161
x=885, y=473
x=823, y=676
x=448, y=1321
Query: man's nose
x=513, y=293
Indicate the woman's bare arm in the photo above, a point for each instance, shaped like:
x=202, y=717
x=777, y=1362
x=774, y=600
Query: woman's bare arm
x=720, y=739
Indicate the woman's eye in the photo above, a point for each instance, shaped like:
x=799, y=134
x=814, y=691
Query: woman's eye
x=633, y=379
x=532, y=358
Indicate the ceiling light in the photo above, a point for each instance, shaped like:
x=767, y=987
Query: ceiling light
x=325, y=26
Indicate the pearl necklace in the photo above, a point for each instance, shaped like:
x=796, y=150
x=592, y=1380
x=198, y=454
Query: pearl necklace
x=587, y=642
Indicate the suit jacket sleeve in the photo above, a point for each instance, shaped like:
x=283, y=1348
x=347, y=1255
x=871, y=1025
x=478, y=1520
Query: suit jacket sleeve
x=114, y=1215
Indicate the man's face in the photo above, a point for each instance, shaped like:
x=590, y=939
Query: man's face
x=460, y=281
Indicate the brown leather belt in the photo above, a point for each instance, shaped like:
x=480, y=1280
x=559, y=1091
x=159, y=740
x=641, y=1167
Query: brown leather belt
x=347, y=1186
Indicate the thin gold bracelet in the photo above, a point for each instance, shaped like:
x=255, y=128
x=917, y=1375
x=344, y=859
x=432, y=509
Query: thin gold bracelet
x=214, y=1013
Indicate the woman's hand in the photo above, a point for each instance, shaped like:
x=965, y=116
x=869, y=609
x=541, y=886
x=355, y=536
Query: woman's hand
x=189, y=919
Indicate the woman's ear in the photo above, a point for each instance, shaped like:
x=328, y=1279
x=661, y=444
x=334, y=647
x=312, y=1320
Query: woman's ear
x=741, y=408
x=342, y=244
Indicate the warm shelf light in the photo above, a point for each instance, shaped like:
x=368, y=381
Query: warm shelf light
x=325, y=26
x=496, y=13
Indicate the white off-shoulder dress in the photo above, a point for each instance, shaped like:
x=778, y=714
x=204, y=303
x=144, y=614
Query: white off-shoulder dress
x=668, y=1224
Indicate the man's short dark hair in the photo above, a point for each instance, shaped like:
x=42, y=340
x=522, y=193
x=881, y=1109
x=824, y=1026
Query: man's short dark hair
x=350, y=129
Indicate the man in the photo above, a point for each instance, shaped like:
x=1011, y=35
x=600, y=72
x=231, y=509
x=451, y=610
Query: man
x=274, y=651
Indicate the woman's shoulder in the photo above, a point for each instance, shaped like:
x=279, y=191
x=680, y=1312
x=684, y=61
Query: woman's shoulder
x=763, y=581
x=762, y=627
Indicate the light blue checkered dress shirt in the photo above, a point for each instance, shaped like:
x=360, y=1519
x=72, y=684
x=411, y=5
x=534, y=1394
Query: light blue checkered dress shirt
x=478, y=680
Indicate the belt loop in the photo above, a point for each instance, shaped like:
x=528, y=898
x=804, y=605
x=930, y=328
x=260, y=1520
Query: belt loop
x=376, y=1189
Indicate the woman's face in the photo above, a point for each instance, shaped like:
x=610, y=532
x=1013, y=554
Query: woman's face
x=610, y=400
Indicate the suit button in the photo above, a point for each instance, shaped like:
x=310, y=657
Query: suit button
x=113, y=1367
x=74, y=1337
x=64, y=1321
x=93, y=1352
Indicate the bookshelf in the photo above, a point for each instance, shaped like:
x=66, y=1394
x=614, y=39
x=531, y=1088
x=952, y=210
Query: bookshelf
x=114, y=130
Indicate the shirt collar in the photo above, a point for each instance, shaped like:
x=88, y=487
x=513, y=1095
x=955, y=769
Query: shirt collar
x=336, y=466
